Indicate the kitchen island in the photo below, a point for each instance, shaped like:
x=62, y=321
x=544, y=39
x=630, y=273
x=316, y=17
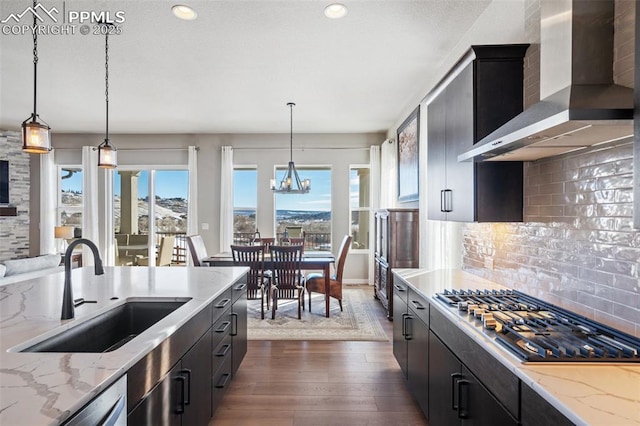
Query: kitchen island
x=48, y=388
x=583, y=393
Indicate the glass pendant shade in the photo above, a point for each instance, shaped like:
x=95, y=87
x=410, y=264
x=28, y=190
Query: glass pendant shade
x=36, y=137
x=107, y=155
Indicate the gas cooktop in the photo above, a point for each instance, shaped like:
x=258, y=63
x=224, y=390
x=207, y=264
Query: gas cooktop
x=538, y=331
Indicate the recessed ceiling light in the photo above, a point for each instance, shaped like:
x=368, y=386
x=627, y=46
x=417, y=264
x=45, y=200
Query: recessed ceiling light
x=335, y=11
x=184, y=12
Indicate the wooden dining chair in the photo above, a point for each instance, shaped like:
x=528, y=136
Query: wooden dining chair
x=257, y=283
x=197, y=249
x=288, y=282
x=315, y=281
x=165, y=252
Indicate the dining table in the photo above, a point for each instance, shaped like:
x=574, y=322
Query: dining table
x=311, y=261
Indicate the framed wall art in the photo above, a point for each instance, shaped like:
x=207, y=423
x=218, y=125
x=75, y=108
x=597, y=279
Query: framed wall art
x=408, y=158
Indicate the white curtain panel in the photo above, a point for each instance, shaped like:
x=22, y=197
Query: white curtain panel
x=226, y=199
x=192, y=206
x=374, y=202
x=48, y=201
x=90, y=218
x=107, y=250
x=388, y=174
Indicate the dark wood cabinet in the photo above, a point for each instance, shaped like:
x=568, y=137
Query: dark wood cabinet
x=456, y=396
x=182, y=381
x=183, y=396
x=238, y=325
x=482, y=92
x=537, y=411
x=411, y=341
x=397, y=234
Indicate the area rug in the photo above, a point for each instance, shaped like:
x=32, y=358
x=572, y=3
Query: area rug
x=358, y=321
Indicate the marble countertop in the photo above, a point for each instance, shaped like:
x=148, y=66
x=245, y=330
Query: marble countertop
x=46, y=388
x=587, y=394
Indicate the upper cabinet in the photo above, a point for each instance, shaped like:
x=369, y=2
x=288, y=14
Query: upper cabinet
x=481, y=93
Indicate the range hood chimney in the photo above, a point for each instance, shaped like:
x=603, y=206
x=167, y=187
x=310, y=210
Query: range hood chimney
x=580, y=106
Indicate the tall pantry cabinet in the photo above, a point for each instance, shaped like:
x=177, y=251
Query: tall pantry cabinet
x=397, y=233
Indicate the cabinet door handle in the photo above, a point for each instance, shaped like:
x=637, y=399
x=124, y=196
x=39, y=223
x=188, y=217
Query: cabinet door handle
x=223, y=350
x=418, y=305
x=234, y=324
x=404, y=325
x=187, y=398
x=446, y=200
x=181, y=403
x=223, y=327
x=463, y=413
x=454, y=387
x=407, y=320
x=223, y=303
x=223, y=380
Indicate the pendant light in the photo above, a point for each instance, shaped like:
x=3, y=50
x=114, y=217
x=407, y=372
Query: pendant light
x=291, y=183
x=36, y=137
x=107, y=152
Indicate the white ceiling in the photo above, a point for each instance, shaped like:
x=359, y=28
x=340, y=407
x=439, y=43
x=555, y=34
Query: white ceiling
x=234, y=68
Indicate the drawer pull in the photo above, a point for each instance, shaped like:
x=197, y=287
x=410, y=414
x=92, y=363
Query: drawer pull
x=418, y=305
x=454, y=386
x=240, y=287
x=181, y=403
x=399, y=288
x=223, y=327
x=223, y=380
x=223, y=303
x=463, y=413
x=223, y=350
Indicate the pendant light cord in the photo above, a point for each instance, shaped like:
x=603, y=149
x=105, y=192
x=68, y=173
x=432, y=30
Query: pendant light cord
x=291, y=104
x=106, y=81
x=35, y=60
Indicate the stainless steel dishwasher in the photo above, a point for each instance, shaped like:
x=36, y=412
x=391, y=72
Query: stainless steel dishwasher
x=107, y=409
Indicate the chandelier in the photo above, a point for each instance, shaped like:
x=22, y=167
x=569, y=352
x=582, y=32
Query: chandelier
x=291, y=182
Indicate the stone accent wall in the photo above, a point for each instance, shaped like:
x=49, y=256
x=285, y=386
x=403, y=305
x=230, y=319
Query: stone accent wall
x=14, y=230
x=577, y=247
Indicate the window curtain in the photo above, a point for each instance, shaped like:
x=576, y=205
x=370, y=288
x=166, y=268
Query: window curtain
x=192, y=206
x=48, y=202
x=192, y=201
x=226, y=199
x=107, y=250
x=374, y=202
x=388, y=173
x=90, y=229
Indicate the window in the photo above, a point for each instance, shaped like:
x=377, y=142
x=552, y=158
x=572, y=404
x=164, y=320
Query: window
x=359, y=194
x=245, y=204
x=70, y=196
x=310, y=211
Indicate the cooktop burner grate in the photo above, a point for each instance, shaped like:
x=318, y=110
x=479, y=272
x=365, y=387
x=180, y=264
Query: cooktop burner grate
x=535, y=330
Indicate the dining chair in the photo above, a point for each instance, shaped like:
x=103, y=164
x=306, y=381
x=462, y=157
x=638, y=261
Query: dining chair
x=197, y=249
x=165, y=253
x=121, y=259
x=288, y=282
x=315, y=281
x=297, y=241
x=266, y=241
x=257, y=282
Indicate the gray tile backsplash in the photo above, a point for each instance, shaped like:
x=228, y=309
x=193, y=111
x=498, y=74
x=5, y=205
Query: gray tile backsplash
x=577, y=247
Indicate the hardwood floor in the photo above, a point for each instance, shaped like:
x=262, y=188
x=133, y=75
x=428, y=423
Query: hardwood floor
x=290, y=383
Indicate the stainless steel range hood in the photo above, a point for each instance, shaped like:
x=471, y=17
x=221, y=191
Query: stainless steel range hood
x=580, y=105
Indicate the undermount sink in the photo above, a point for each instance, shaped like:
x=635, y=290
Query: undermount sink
x=110, y=330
